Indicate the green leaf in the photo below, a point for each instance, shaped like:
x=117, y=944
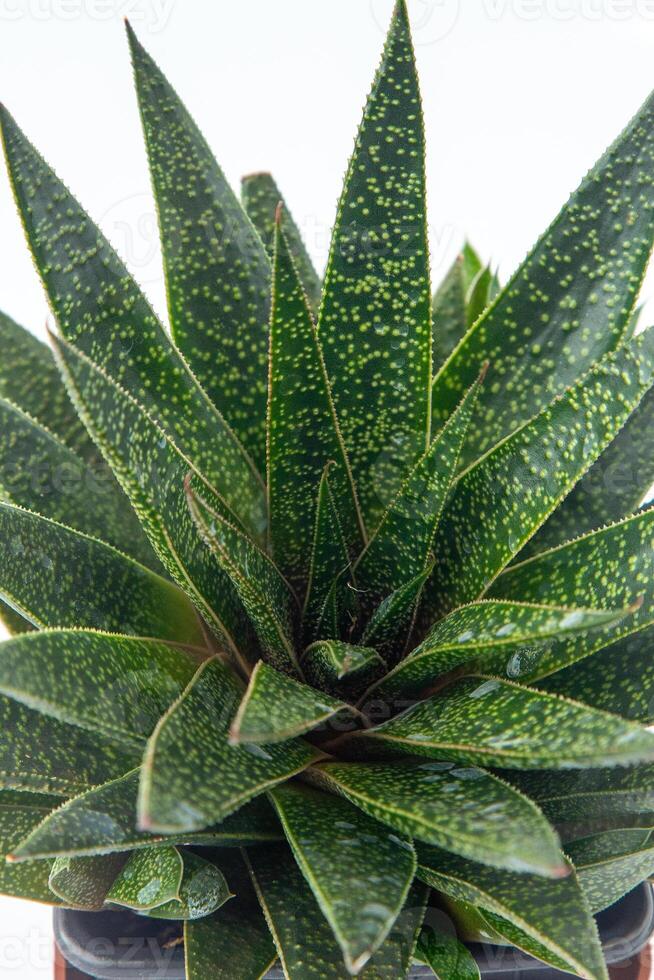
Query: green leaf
x=192, y=776
x=554, y=914
x=440, y=949
x=117, y=686
x=234, y=942
x=100, y=309
x=29, y=378
x=12, y=622
x=608, y=568
x=217, y=271
x=152, y=472
x=332, y=664
x=276, y=707
x=570, y=300
x=462, y=809
x=44, y=755
x=170, y=884
x=55, y=576
x=328, y=598
x=103, y=820
x=450, y=318
x=503, y=929
x=303, y=432
x=41, y=473
x=375, y=316
x=619, y=678
x=611, y=863
x=19, y=813
x=614, y=487
x=358, y=872
x=261, y=197
x=500, y=631
x=487, y=721
x=478, y=295
x=265, y=594
x=499, y=502
x=84, y=882
x=400, y=548
x=297, y=924
x=389, y=628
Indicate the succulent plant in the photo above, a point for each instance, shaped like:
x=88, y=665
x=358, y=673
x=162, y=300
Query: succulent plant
x=331, y=610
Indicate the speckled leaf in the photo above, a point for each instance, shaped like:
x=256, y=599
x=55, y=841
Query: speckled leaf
x=217, y=271
x=265, y=594
x=569, y=302
x=261, y=196
x=400, y=547
x=13, y=622
x=499, y=503
x=608, y=568
x=84, y=882
x=276, y=707
x=303, y=433
x=553, y=913
x=235, y=942
x=56, y=576
x=358, y=872
x=449, y=312
x=19, y=813
x=41, y=473
x=462, y=809
x=332, y=664
x=297, y=925
x=170, y=884
x=500, y=928
x=375, y=316
x=619, y=678
x=614, y=487
x=611, y=863
x=101, y=310
x=502, y=631
x=439, y=948
x=103, y=820
x=44, y=755
x=192, y=776
x=152, y=472
x=328, y=597
x=493, y=722
x=389, y=627
x=117, y=686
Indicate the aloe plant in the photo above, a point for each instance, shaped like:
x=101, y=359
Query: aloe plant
x=328, y=615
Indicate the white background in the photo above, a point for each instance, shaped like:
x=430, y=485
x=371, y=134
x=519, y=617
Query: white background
x=520, y=98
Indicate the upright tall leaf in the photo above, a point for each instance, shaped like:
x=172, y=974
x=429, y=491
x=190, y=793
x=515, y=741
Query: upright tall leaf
x=450, y=313
x=500, y=502
x=217, y=271
x=261, y=197
x=375, y=318
x=570, y=300
x=303, y=432
x=101, y=310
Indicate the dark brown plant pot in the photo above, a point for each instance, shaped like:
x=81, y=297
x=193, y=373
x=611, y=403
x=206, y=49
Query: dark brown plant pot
x=124, y=946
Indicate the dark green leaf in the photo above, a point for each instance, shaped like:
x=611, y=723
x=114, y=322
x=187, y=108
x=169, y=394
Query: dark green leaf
x=477, y=632
x=608, y=568
x=554, y=914
x=13, y=623
x=493, y=722
x=332, y=664
x=440, y=949
x=265, y=594
x=449, y=310
x=569, y=302
x=217, y=271
x=117, y=686
x=358, y=872
x=389, y=627
x=375, y=317
x=170, y=884
x=261, y=196
x=297, y=925
x=462, y=809
x=19, y=813
x=499, y=502
x=192, y=776
x=83, y=882
x=101, y=310
x=611, y=863
x=56, y=576
x=276, y=707
x=103, y=820
x=303, y=433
